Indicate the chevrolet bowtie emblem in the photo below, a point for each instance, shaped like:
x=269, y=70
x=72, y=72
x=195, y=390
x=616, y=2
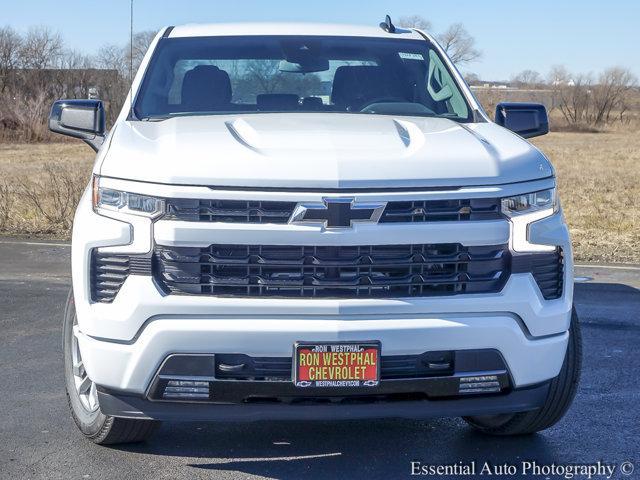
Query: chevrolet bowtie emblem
x=338, y=212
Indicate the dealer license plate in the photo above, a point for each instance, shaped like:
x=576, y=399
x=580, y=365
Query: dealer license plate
x=336, y=365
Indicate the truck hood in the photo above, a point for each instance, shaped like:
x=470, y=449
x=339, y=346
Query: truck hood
x=320, y=151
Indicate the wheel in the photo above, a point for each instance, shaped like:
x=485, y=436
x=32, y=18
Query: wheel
x=83, y=397
x=561, y=393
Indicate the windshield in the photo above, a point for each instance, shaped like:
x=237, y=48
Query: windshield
x=254, y=74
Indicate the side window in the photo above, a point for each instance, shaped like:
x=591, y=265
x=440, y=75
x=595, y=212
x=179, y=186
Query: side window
x=442, y=88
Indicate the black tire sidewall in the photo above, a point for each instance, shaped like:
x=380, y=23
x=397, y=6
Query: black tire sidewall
x=89, y=423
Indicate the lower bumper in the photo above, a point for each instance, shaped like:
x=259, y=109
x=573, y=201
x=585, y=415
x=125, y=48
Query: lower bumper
x=130, y=406
x=131, y=367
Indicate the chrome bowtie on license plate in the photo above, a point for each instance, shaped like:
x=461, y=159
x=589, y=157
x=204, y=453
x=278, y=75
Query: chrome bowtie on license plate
x=337, y=365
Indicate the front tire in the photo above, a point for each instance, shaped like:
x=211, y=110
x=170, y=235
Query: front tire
x=83, y=398
x=562, y=390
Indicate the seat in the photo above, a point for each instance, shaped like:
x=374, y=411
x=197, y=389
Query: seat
x=312, y=103
x=277, y=102
x=206, y=88
x=356, y=86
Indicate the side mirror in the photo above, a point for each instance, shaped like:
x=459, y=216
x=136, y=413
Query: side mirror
x=526, y=119
x=84, y=119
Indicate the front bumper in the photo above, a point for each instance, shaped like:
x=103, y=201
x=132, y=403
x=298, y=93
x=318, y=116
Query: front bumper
x=130, y=366
x=123, y=343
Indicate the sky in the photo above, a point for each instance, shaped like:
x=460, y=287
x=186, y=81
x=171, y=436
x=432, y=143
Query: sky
x=513, y=35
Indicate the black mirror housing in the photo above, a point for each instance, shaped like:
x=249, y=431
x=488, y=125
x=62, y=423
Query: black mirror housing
x=84, y=119
x=526, y=119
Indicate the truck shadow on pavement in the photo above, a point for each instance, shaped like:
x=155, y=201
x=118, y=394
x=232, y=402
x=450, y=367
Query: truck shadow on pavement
x=376, y=449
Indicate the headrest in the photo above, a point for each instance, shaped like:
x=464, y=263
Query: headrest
x=312, y=103
x=205, y=88
x=354, y=86
x=277, y=101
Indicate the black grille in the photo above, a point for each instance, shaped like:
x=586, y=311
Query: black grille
x=109, y=271
x=229, y=211
x=332, y=271
x=547, y=270
x=441, y=210
x=233, y=211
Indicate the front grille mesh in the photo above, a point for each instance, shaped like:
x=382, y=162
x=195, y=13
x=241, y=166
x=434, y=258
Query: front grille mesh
x=371, y=271
x=240, y=211
x=332, y=271
x=441, y=210
x=229, y=211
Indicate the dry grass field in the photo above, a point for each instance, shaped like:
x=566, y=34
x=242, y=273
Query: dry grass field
x=598, y=175
x=40, y=185
x=599, y=184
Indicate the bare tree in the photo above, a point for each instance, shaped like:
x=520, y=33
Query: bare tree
x=559, y=75
x=112, y=57
x=10, y=46
x=472, y=78
x=264, y=76
x=455, y=40
x=74, y=75
x=584, y=102
x=459, y=44
x=528, y=79
x=611, y=94
x=42, y=48
x=134, y=56
x=35, y=70
x=114, y=83
x=415, y=21
x=574, y=99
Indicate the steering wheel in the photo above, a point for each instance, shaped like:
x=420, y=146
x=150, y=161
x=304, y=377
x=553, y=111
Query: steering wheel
x=382, y=100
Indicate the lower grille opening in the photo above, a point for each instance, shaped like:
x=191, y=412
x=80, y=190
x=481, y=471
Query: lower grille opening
x=273, y=369
x=240, y=378
x=479, y=384
x=186, y=390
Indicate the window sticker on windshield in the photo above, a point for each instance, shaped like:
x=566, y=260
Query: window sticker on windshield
x=410, y=56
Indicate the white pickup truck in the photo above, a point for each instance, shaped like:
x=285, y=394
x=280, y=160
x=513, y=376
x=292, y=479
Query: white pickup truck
x=314, y=222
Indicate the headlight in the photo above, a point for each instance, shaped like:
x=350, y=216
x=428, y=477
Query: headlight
x=530, y=202
x=125, y=202
x=525, y=209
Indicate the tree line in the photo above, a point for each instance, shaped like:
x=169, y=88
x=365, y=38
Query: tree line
x=36, y=68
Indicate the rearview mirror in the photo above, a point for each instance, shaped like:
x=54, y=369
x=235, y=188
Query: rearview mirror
x=305, y=65
x=84, y=119
x=526, y=119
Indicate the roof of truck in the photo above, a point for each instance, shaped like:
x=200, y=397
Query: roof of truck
x=329, y=29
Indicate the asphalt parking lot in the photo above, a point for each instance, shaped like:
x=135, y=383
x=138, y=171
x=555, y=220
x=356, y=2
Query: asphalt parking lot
x=39, y=440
